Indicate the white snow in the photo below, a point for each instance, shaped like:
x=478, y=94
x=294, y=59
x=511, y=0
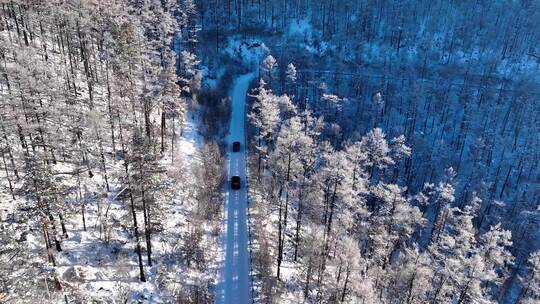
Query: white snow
x=234, y=286
x=247, y=51
x=191, y=140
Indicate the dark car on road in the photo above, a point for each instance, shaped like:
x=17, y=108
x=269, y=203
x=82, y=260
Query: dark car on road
x=236, y=146
x=235, y=182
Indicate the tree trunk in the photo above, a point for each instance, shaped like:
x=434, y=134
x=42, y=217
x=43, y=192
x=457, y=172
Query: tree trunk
x=347, y=274
x=298, y=225
x=411, y=285
x=172, y=140
x=147, y=231
x=109, y=107
x=10, y=154
x=308, y=277
x=135, y=226
x=280, y=249
x=50, y=255
x=104, y=167
x=7, y=176
x=438, y=290
x=162, y=130
x=330, y=217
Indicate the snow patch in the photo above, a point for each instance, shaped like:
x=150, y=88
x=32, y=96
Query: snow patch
x=247, y=51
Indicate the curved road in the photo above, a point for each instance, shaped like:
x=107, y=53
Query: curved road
x=234, y=287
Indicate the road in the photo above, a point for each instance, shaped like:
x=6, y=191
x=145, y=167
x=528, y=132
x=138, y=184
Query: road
x=234, y=287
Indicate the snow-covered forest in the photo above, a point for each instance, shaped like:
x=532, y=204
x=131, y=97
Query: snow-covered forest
x=109, y=193
x=391, y=151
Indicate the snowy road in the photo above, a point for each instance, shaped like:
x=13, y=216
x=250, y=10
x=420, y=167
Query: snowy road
x=234, y=287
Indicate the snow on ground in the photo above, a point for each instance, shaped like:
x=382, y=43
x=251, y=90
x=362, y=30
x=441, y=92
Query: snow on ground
x=191, y=140
x=99, y=262
x=234, y=283
x=248, y=51
x=264, y=219
x=106, y=268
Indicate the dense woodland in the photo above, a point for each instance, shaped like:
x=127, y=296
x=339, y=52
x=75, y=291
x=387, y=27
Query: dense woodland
x=97, y=194
x=393, y=149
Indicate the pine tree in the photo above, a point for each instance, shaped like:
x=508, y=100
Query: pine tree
x=531, y=292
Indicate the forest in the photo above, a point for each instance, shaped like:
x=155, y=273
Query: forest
x=391, y=150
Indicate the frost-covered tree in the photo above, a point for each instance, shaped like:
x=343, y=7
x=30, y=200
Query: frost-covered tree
x=291, y=73
x=410, y=277
x=83, y=85
x=291, y=79
x=391, y=223
x=265, y=116
x=531, y=290
x=285, y=165
x=268, y=66
x=455, y=258
x=172, y=106
x=188, y=69
x=377, y=150
x=494, y=247
x=312, y=257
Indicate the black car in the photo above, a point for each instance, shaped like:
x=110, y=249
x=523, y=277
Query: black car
x=236, y=146
x=235, y=182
